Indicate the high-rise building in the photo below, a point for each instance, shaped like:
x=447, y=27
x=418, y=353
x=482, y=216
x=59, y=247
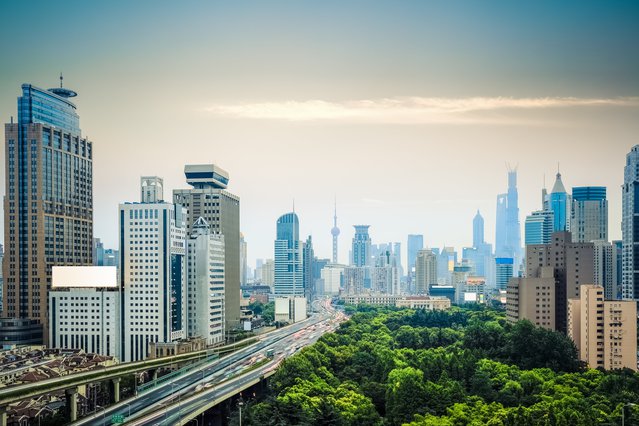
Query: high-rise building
x=532, y=298
x=446, y=262
x=606, y=268
x=209, y=199
x=288, y=257
x=243, y=260
x=604, y=331
x=561, y=205
x=573, y=266
x=308, y=258
x=335, y=234
x=415, y=244
x=478, y=230
x=385, y=275
x=503, y=272
x=205, y=283
x=48, y=206
x=268, y=273
x=425, y=271
x=332, y=279
x=85, y=311
x=539, y=227
x=508, y=228
x=589, y=219
x=361, y=246
x=152, y=275
x=629, y=225
x=617, y=247
x=353, y=281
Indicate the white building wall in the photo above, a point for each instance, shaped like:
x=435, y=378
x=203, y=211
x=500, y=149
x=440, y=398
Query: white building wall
x=205, y=285
x=154, y=275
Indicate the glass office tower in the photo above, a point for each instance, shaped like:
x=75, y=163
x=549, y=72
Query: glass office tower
x=48, y=207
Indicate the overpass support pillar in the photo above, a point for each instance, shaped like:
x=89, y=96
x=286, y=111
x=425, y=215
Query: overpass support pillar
x=116, y=390
x=72, y=403
x=3, y=416
x=154, y=374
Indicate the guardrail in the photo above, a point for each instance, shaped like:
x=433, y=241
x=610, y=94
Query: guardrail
x=153, y=383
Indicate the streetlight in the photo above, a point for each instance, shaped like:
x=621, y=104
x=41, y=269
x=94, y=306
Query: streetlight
x=623, y=412
x=240, y=403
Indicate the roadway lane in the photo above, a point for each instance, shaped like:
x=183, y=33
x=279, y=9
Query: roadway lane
x=186, y=384
x=179, y=408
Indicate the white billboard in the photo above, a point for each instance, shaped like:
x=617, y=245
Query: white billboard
x=84, y=276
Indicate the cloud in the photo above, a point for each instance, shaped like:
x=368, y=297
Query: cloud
x=413, y=110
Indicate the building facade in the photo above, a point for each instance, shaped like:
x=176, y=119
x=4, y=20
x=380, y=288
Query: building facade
x=288, y=263
x=209, y=199
x=630, y=226
x=508, y=229
x=153, y=275
x=589, y=218
x=573, y=266
x=503, y=272
x=532, y=298
x=539, y=227
x=560, y=204
x=605, y=332
x=361, y=246
x=48, y=206
x=205, y=284
x=425, y=271
x=85, y=310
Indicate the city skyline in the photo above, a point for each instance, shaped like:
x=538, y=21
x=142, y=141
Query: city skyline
x=242, y=104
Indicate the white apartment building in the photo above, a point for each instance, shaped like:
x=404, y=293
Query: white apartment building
x=205, y=283
x=84, y=309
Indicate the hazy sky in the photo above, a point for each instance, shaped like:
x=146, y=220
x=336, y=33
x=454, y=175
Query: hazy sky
x=407, y=112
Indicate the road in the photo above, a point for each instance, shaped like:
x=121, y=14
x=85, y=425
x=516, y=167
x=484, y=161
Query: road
x=180, y=409
x=214, y=371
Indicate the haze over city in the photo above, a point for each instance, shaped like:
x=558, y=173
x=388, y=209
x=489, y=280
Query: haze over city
x=405, y=113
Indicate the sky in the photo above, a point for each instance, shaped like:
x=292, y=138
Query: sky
x=407, y=113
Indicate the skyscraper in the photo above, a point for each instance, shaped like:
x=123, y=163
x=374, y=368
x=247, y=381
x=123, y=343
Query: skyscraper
x=288, y=257
x=308, y=258
x=415, y=244
x=48, y=207
x=589, y=218
x=209, y=199
x=361, y=246
x=478, y=230
x=503, y=272
x=539, y=227
x=335, y=234
x=573, y=265
x=560, y=203
x=508, y=229
x=425, y=271
x=629, y=225
x=152, y=275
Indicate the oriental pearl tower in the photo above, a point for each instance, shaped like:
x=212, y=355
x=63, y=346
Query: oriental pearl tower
x=335, y=233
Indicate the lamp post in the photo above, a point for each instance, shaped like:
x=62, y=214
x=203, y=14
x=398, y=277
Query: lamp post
x=240, y=404
x=623, y=412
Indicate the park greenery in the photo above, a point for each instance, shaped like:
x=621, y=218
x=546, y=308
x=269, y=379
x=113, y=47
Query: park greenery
x=465, y=366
